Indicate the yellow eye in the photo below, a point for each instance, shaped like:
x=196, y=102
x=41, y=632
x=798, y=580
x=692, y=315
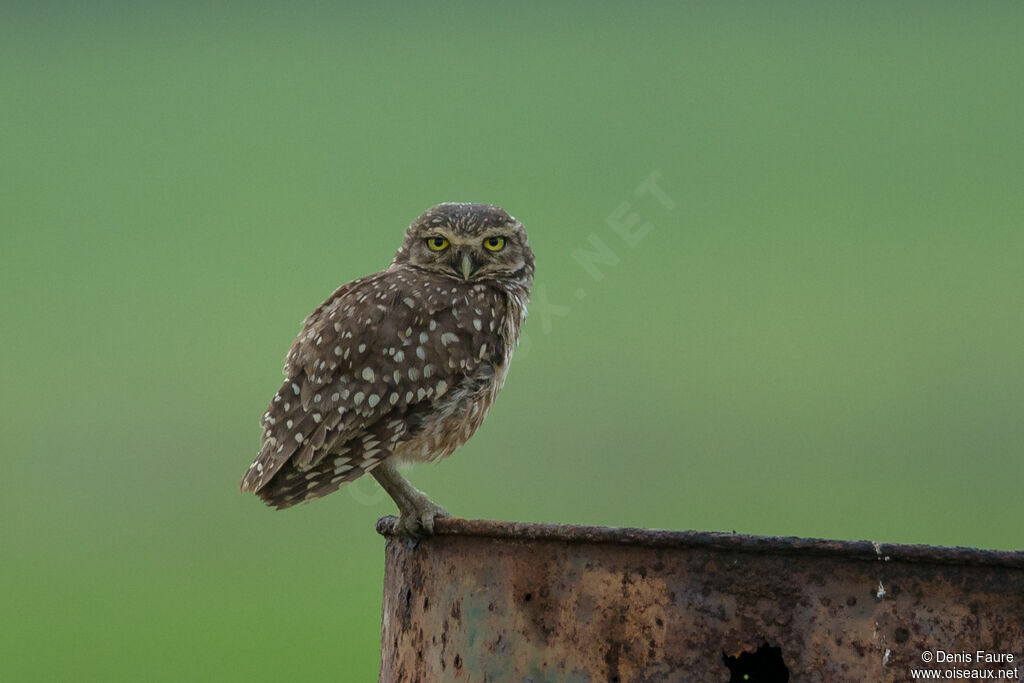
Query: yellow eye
x=494, y=243
x=437, y=243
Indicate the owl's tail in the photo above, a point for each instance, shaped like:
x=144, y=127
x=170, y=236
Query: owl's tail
x=291, y=485
x=302, y=457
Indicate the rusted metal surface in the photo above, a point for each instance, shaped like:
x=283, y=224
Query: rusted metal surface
x=499, y=601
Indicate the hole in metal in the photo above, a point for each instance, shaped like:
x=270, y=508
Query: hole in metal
x=763, y=666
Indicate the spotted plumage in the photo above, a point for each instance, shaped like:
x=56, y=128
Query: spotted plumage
x=401, y=365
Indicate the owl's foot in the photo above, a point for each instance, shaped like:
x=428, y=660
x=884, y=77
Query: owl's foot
x=418, y=521
x=417, y=512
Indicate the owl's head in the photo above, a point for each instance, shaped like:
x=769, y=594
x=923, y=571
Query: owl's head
x=468, y=242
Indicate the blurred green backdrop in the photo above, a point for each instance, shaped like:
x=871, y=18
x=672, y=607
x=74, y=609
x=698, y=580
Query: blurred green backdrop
x=823, y=336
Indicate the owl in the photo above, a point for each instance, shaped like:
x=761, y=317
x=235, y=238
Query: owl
x=399, y=367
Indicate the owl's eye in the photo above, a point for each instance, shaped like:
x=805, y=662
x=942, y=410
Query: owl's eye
x=437, y=243
x=494, y=243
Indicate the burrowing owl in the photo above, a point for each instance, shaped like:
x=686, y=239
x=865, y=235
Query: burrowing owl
x=400, y=366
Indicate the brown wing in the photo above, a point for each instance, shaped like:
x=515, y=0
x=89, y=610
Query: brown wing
x=377, y=350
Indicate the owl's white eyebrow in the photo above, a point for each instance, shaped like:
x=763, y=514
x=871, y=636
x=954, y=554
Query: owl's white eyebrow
x=496, y=232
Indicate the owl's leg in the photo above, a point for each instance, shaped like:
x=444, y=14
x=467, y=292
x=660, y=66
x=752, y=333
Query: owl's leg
x=417, y=511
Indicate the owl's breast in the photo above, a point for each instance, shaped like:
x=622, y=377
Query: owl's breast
x=451, y=420
x=436, y=428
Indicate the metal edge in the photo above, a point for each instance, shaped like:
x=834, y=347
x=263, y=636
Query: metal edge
x=712, y=540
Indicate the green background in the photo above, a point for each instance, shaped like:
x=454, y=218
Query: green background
x=822, y=338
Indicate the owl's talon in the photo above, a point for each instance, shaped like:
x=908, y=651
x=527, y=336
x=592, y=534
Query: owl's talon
x=418, y=521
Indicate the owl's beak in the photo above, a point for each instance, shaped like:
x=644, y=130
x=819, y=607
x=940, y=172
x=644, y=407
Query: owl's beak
x=466, y=265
